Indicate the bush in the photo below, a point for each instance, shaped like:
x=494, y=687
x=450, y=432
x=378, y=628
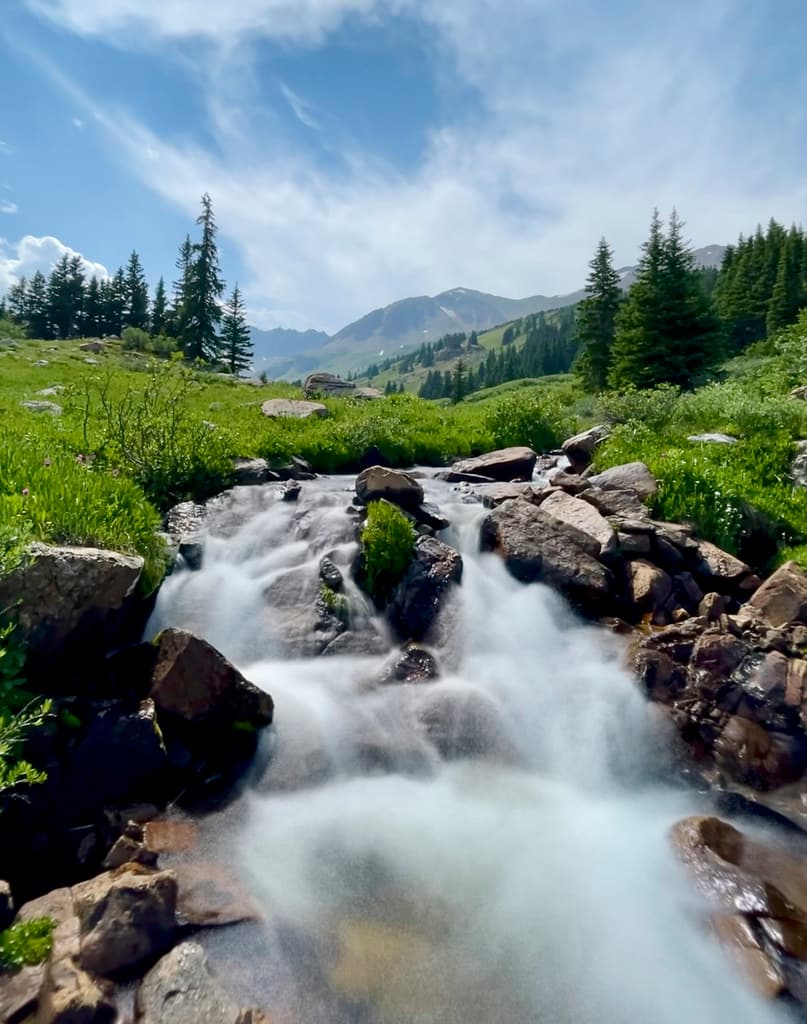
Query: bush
x=388, y=542
x=26, y=944
x=530, y=417
x=14, y=771
x=134, y=339
x=654, y=407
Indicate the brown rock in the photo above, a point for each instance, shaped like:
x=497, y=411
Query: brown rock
x=650, y=587
x=378, y=482
x=632, y=476
x=582, y=516
x=782, y=598
x=579, y=449
x=618, y=502
x=719, y=654
x=759, y=969
x=712, y=606
x=762, y=758
x=506, y=464
x=572, y=483
x=722, y=566
x=494, y=494
x=71, y=996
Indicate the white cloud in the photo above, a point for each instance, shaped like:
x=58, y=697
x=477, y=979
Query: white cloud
x=300, y=108
x=586, y=120
x=77, y=123
x=24, y=258
x=4, y=147
x=6, y=206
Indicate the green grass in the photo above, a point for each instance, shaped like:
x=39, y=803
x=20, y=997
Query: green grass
x=388, y=541
x=26, y=944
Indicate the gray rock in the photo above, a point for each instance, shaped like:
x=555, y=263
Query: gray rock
x=57, y=389
x=495, y=493
x=181, y=990
x=782, y=598
x=367, y=393
x=290, y=491
x=616, y=502
x=712, y=438
x=453, y=476
x=506, y=464
x=251, y=472
x=419, y=596
x=580, y=448
x=330, y=574
x=51, y=408
x=798, y=468
x=721, y=566
x=280, y=408
x=632, y=476
x=379, y=482
x=431, y=516
x=328, y=385
x=582, y=516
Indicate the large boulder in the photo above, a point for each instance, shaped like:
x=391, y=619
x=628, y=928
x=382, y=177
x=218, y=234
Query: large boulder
x=631, y=476
x=419, y=596
x=252, y=472
x=579, y=450
x=650, y=587
x=282, y=408
x=724, y=571
x=782, y=598
x=70, y=602
x=181, y=990
x=328, y=385
x=538, y=548
x=393, y=485
x=506, y=464
x=583, y=516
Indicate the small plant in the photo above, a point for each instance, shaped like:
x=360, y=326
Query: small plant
x=26, y=944
x=13, y=695
x=13, y=730
x=336, y=604
x=388, y=541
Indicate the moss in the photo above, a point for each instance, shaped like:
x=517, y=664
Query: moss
x=388, y=542
x=26, y=943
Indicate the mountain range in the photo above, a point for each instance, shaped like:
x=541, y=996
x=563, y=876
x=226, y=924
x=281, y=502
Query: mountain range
x=282, y=352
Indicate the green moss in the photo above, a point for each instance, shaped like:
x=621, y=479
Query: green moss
x=388, y=542
x=26, y=943
x=336, y=604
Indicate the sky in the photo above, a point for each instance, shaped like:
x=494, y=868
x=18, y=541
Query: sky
x=361, y=151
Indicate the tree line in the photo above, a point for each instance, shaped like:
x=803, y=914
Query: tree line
x=193, y=320
x=677, y=322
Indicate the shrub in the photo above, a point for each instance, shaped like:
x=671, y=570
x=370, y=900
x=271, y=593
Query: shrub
x=26, y=944
x=388, y=541
x=134, y=339
x=13, y=729
x=653, y=407
x=530, y=417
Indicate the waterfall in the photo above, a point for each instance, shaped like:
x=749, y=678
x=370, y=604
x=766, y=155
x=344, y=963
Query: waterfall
x=404, y=882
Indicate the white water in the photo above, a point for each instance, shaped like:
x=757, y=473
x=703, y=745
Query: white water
x=530, y=885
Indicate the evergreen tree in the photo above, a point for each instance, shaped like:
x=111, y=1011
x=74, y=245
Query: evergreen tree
x=93, y=315
x=159, y=311
x=786, y=295
x=201, y=312
x=113, y=303
x=596, y=318
x=18, y=302
x=184, y=261
x=236, y=341
x=458, y=383
x=65, y=296
x=38, y=312
x=137, y=294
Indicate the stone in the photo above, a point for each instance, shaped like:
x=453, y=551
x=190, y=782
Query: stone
x=712, y=439
x=126, y=918
x=70, y=995
x=632, y=476
x=625, y=504
x=634, y=543
x=6, y=905
x=798, y=467
x=130, y=848
x=192, y=553
x=412, y=664
x=572, y=483
x=712, y=606
x=718, y=653
x=799, y=392
x=721, y=566
x=736, y=936
x=367, y=393
x=210, y=896
x=452, y=476
x=494, y=494
x=582, y=516
x=71, y=600
x=418, y=598
x=282, y=408
x=193, y=681
x=50, y=408
x=430, y=515
x=97, y=347
x=252, y=472
x=393, y=485
x=503, y=465
x=650, y=587
x=330, y=574
x=759, y=757
x=328, y=385
x=538, y=548
x=290, y=491
x=355, y=644
x=579, y=449
x=464, y=723
x=181, y=990
x=782, y=598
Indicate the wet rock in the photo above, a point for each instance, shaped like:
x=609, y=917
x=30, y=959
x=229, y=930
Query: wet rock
x=719, y=653
x=378, y=482
x=252, y=472
x=126, y=918
x=650, y=588
x=494, y=494
x=186, y=520
x=504, y=465
x=632, y=476
x=6, y=905
x=462, y=722
x=579, y=450
x=281, y=408
x=192, y=552
x=419, y=596
x=538, y=548
x=290, y=491
x=712, y=606
x=782, y=598
x=181, y=990
x=584, y=517
x=209, y=896
x=430, y=515
x=330, y=574
x=453, y=476
x=355, y=644
x=193, y=681
x=49, y=408
x=413, y=664
x=737, y=937
x=760, y=757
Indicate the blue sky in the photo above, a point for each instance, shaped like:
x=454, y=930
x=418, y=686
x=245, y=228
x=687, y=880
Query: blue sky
x=358, y=151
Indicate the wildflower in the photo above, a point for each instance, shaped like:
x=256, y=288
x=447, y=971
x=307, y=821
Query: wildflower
x=79, y=458
x=116, y=472
x=25, y=492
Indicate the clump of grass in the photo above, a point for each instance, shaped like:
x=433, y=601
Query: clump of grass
x=388, y=542
x=26, y=944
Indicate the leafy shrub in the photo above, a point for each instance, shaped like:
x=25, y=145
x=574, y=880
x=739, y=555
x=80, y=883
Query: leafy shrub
x=530, y=417
x=388, y=541
x=654, y=407
x=134, y=339
x=26, y=944
x=15, y=771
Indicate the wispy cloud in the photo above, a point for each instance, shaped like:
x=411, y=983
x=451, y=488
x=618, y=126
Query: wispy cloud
x=77, y=123
x=300, y=108
x=6, y=206
x=4, y=147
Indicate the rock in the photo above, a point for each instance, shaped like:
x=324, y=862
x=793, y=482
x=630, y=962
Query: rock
x=762, y=758
x=34, y=405
x=301, y=469
x=737, y=937
x=6, y=905
x=290, y=491
x=650, y=587
x=538, y=548
x=453, y=477
x=618, y=502
x=252, y=472
x=413, y=664
x=19, y=994
x=582, y=516
x=712, y=438
x=181, y=990
x=494, y=494
x=378, y=482
x=712, y=607
x=569, y=482
x=186, y=520
x=430, y=515
x=580, y=448
x=504, y=465
x=367, y=393
x=130, y=848
x=192, y=552
x=464, y=723
x=71, y=996
x=280, y=408
x=73, y=602
x=355, y=645
x=193, y=681
x=719, y=565
x=782, y=598
x=632, y=476
x=330, y=574
x=97, y=347
x=419, y=596
x=798, y=467
x=328, y=385
x=126, y=918
x=90, y=361
x=634, y=543
x=799, y=392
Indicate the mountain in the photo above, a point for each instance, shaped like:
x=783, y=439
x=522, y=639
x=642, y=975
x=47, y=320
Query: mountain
x=409, y=322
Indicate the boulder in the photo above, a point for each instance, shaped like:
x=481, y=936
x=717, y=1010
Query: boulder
x=367, y=393
x=712, y=439
x=281, y=408
x=412, y=664
x=579, y=450
x=452, y=476
x=97, y=347
x=572, y=483
x=430, y=515
x=328, y=385
x=782, y=598
x=582, y=516
x=181, y=990
x=650, y=587
x=50, y=408
x=252, y=472
x=291, y=490
x=192, y=681
x=617, y=502
x=463, y=722
x=126, y=918
x=722, y=569
x=419, y=596
x=504, y=465
x=330, y=574
x=760, y=757
x=378, y=482
x=538, y=548
x=494, y=494
x=631, y=476
x=71, y=602
x=70, y=995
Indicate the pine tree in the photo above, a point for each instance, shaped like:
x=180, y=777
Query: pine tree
x=236, y=341
x=202, y=313
x=113, y=303
x=787, y=289
x=18, y=302
x=93, y=314
x=596, y=318
x=159, y=310
x=38, y=316
x=458, y=383
x=184, y=260
x=137, y=294
x=65, y=296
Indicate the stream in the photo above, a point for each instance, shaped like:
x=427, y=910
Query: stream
x=490, y=846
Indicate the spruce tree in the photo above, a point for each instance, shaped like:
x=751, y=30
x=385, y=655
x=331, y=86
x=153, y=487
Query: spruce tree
x=18, y=302
x=202, y=313
x=93, y=315
x=65, y=296
x=236, y=341
x=786, y=295
x=176, y=319
x=113, y=303
x=458, y=383
x=596, y=318
x=38, y=319
x=137, y=294
x=159, y=310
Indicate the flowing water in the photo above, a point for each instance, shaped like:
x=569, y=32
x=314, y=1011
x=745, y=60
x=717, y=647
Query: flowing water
x=488, y=847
